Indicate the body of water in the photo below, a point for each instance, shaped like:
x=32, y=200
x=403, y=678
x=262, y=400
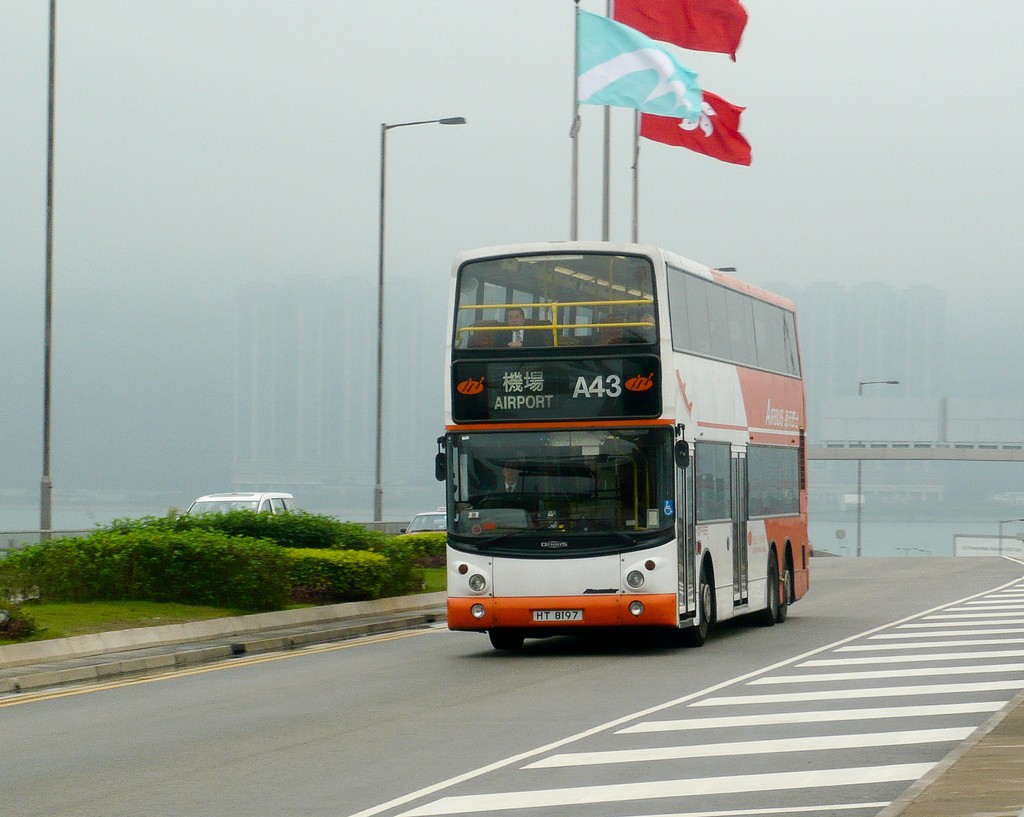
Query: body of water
x=895, y=538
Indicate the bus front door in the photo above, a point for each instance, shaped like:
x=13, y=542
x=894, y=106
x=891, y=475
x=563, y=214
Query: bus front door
x=687, y=541
x=739, y=528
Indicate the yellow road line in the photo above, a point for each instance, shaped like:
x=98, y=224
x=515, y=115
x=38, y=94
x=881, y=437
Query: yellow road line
x=227, y=663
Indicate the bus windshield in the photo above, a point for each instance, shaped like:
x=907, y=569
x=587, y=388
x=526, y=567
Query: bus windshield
x=569, y=299
x=587, y=488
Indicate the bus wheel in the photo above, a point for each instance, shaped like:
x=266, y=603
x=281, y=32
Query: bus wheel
x=787, y=594
x=696, y=635
x=505, y=639
x=770, y=614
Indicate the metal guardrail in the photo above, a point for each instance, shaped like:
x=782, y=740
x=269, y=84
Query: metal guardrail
x=915, y=450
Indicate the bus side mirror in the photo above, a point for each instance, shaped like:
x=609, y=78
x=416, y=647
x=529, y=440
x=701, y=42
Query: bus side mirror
x=682, y=451
x=440, y=468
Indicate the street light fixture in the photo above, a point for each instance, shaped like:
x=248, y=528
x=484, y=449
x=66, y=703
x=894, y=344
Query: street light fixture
x=378, y=488
x=860, y=462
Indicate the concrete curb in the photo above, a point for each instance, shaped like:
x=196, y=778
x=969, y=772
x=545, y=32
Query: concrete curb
x=915, y=791
x=84, y=646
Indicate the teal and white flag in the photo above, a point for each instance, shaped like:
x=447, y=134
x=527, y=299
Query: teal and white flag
x=617, y=65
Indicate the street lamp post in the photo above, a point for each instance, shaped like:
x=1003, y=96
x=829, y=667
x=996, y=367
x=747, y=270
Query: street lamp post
x=45, y=483
x=860, y=463
x=1001, y=523
x=378, y=488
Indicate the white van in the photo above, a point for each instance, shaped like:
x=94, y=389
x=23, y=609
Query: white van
x=262, y=501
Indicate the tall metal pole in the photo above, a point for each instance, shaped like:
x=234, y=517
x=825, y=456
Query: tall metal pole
x=378, y=484
x=636, y=177
x=46, y=485
x=574, y=131
x=860, y=391
x=606, y=187
x=378, y=487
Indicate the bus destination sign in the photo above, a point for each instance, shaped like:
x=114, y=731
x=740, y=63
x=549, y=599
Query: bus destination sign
x=546, y=390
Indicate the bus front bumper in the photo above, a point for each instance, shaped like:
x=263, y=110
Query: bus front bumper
x=563, y=612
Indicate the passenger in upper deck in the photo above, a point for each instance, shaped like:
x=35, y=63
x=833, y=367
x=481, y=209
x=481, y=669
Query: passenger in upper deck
x=520, y=334
x=637, y=327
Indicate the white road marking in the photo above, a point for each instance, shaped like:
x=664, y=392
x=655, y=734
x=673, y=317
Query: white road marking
x=865, y=692
x=817, y=743
x=913, y=672
x=951, y=633
x=902, y=659
x=966, y=615
x=870, y=808
x=928, y=645
x=807, y=716
x=735, y=784
x=929, y=623
x=801, y=699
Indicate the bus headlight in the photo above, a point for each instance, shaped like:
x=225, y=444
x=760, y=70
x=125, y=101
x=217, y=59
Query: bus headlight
x=477, y=611
x=635, y=579
x=636, y=608
x=477, y=583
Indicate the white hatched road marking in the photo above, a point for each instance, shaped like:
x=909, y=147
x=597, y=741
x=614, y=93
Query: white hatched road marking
x=804, y=716
x=951, y=633
x=755, y=747
x=904, y=659
x=866, y=692
x=928, y=645
x=734, y=784
x=773, y=781
x=915, y=672
x=933, y=624
x=972, y=616
x=788, y=810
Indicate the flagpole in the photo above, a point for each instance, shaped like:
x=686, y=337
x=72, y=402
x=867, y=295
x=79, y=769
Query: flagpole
x=606, y=193
x=636, y=177
x=575, y=129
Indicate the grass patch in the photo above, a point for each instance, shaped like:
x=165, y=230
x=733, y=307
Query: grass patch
x=435, y=579
x=63, y=619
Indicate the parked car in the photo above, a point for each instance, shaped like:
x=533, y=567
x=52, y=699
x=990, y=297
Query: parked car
x=262, y=501
x=429, y=521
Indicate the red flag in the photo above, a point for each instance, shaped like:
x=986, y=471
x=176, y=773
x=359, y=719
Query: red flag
x=717, y=134
x=700, y=25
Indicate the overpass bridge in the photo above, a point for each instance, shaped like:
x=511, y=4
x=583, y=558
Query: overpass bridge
x=915, y=450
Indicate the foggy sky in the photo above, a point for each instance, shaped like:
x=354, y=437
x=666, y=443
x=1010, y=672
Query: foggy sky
x=202, y=146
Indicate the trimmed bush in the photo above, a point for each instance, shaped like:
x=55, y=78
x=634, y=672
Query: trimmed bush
x=327, y=576
x=403, y=574
x=429, y=547
x=296, y=529
x=155, y=564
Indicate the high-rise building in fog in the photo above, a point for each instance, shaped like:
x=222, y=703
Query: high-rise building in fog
x=872, y=331
x=305, y=389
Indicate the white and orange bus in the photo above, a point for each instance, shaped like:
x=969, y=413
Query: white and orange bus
x=624, y=446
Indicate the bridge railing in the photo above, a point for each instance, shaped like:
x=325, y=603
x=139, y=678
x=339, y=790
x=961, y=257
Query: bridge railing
x=915, y=450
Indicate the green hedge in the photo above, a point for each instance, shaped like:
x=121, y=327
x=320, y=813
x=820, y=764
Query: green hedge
x=429, y=547
x=325, y=576
x=242, y=559
x=191, y=567
x=296, y=529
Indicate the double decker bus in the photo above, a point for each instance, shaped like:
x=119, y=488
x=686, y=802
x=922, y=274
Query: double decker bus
x=624, y=446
